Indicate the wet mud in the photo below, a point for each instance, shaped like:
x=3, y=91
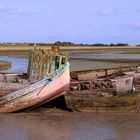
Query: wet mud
x=64, y=125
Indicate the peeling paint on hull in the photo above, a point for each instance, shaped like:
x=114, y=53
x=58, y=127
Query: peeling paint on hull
x=38, y=93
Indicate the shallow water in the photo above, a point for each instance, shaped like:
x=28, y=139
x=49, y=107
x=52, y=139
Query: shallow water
x=19, y=65
x=78, y=65
x=69, y=126
x=109, y=56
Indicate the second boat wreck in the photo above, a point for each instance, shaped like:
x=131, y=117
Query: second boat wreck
x=105, y=90
x=47, y=78
x=117, y=81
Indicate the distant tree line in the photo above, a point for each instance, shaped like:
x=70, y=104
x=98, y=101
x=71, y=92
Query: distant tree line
x=59, y=43
x=81, y=44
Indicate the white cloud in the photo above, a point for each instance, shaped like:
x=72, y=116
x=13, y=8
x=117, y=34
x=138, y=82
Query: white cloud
x=106, y=12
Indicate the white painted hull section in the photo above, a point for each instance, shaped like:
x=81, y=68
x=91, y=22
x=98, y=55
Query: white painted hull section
x=40, y=92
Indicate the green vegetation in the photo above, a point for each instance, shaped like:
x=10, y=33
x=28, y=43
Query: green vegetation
x=59, y=43
x=130, y=53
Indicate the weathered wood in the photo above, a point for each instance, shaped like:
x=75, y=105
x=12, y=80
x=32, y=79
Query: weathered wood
x=39, y=64
x=6, y=77
x=91, y=85
x=9, y=74
x=97, y=73
x=7, y=88
x=97, y=101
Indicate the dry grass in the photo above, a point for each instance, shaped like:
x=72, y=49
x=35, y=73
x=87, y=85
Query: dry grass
x=24, y=50
x=65, y=47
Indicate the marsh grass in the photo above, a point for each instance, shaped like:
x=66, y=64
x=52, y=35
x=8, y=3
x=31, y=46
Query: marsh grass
x=130, y=53
x=15, y=53
x=108, y=60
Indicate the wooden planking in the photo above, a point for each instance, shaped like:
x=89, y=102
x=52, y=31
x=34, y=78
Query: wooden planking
x=39, y=64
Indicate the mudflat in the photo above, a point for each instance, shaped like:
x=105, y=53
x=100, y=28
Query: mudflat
x=58, y=125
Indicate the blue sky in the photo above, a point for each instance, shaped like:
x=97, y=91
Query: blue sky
x=79, y=21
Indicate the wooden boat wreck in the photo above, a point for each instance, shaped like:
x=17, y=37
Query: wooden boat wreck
x=47, y=78
x=114, y=90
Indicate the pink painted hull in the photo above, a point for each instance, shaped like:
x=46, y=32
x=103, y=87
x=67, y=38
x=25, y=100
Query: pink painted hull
x=38, y=93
